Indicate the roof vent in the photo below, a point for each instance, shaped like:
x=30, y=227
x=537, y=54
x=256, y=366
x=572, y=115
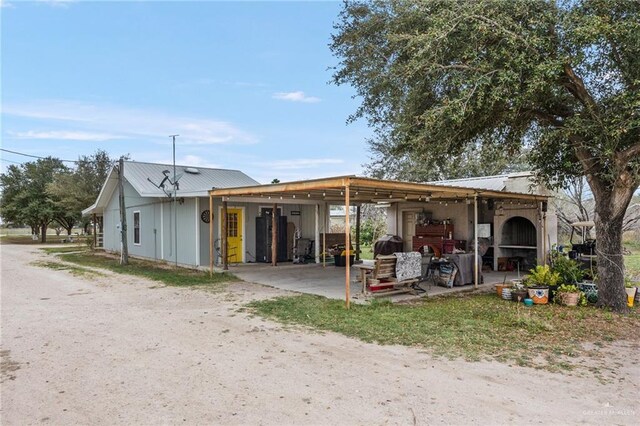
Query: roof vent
x=192, y=171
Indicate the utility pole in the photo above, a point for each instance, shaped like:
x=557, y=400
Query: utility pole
x=175, y=200
x=124, y=249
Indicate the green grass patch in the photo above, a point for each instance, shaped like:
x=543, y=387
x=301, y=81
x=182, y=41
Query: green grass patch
x=180, y=277
x=366, y=251
x=632, y=265
x=471, y=326
x=74, y=270
x=65, y=249
x=27, y=240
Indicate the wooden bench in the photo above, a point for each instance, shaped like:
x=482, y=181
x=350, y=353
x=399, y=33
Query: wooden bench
x=384, y=270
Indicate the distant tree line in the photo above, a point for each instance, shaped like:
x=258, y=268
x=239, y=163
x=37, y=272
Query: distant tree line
x=44, y=193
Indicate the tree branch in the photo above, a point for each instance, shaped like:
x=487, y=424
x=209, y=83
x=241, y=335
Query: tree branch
x=575, y=85
x=629, y=153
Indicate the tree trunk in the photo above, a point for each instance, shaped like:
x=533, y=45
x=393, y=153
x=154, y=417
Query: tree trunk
x=69, y=229
x=43, y=233
x=610, y=210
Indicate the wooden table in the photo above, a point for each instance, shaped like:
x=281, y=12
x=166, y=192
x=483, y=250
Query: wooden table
x=364, y=271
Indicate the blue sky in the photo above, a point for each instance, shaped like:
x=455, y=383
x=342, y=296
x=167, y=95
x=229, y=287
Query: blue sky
x=245, y=84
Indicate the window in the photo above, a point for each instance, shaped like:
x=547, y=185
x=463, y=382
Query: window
x=136, y=228
x=232, y=224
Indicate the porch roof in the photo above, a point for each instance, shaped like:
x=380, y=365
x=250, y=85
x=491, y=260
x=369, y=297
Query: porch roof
x=368, y=190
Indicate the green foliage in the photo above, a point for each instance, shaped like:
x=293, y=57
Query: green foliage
x=567, y=288
x=569, y=270
x=78, y=189
x=24, y=195
x=560, y=80
x=542, y=276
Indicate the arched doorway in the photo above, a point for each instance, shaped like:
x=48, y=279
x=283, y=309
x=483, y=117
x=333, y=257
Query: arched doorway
x=519, y=231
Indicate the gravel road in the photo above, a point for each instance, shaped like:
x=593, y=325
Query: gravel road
x=123, y=350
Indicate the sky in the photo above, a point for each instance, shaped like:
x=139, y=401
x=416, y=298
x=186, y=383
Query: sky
x=246, y=85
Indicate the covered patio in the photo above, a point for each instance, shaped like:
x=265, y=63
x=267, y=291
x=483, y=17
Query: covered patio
x=328, y=281
x=352, y=191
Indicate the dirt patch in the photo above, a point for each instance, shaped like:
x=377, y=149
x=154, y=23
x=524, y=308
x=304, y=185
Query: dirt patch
x=7, y=366
x=128, y=354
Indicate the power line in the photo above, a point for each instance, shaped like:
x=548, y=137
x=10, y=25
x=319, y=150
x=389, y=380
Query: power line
x=36, y=156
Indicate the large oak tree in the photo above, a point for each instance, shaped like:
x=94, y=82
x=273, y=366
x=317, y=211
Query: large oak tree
x=559, y=79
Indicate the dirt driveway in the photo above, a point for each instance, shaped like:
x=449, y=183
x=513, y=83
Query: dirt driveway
x=121, y=350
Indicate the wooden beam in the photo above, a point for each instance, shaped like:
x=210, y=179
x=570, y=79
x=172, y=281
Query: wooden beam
x=316, y=245
x=347, y=242
x=274, y=236
x=358, y=233
x=305, y=185
x=211, y=254
x=225, y=237
x=476, y=273
x=324, y=236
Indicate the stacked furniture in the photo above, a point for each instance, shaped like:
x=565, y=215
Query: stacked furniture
x=439, y=237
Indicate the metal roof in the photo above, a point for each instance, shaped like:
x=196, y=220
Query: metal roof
x=191, y=184
x=492, y=183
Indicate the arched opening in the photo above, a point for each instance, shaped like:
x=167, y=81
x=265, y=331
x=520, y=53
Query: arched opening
x=519, y=231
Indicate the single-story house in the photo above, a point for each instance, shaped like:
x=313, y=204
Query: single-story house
x=497, y=217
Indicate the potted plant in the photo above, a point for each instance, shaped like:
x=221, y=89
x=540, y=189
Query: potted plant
x=538, y=282
x=568, y=294
x=569, y=270
x=518, y=293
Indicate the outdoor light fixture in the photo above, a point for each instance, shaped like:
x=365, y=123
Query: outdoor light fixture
x=294, y=195
x=308, y=195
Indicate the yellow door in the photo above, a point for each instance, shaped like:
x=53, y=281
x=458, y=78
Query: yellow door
x=234, y=226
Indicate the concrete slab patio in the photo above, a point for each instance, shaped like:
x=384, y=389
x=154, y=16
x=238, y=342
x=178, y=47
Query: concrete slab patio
x=328, y=281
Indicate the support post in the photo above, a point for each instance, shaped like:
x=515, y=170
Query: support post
x=358, y=233
x=476, y=272
x=316, y=245
x=324, y=238
x=124, y=249
x=347, y=246
x=211, y=254
x=95, y=234
x=544, y=234
x=225, y=237
x=274, y=236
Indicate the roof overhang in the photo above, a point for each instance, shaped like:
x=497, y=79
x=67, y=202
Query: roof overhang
x=368, y=190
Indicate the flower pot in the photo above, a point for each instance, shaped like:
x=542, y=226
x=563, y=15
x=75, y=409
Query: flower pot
x=539, y=295
x=631, y=294
x=499, y=288
x=568, y=299
x=506, y=293
x=519, y=295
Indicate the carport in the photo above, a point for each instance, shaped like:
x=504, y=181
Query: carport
x=355, y=191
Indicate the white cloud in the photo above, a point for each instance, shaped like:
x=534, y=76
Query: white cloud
x=63, y=135
x=301, y=163
x=5, y=4
x=297, y=96
x=130, y=123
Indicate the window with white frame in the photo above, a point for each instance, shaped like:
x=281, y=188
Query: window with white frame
x=136, y=228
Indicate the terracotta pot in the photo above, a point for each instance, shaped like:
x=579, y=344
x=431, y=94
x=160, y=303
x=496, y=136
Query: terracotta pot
x=569, y=299
x=539, y=295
